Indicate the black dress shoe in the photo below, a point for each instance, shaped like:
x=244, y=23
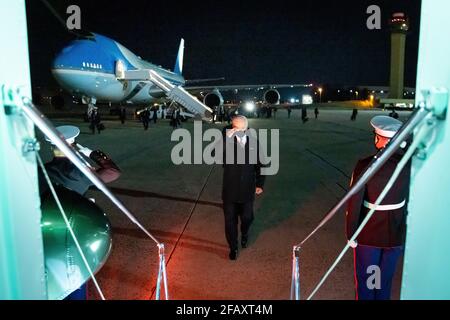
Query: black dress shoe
x=233, y=254
x=244, y=241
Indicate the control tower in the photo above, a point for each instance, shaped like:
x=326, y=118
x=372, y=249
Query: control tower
x=399, y=24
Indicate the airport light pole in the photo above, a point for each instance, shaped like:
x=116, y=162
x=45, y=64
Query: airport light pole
x=320, y=95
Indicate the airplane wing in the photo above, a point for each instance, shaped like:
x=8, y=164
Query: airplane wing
x=199, y=89
x=202, y=92
x=276, y=106
x=291, y=105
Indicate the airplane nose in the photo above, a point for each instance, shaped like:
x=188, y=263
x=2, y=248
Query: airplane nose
x=65, y=59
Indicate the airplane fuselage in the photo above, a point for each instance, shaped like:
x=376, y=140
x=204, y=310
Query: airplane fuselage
x=87, y=68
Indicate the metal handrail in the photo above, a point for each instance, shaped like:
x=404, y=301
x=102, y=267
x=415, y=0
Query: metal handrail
x=379, y=160
x=47, y=128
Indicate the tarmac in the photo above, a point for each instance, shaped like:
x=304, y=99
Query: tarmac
x=181, y=206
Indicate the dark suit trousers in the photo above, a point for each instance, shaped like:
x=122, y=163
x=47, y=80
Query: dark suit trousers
x=233, y=210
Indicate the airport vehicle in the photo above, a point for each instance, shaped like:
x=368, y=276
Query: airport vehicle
x=397, y=103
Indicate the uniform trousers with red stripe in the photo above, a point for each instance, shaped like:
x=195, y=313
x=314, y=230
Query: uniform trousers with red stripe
x=373, y=262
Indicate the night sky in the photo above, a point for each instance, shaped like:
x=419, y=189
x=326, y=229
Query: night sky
x=247, y=42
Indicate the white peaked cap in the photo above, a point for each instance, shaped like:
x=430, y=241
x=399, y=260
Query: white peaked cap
x=386, y=126
x=68, y=132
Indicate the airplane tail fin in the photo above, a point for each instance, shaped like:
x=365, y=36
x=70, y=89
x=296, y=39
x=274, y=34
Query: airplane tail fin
x=178, y=69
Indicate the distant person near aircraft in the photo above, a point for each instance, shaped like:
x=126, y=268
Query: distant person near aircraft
x=175, y=121
x=145, y=118
x=178, y=118
x=393, y=114
x=354, y=114
x=95, y=121
x=172, y=119
x=304, y=115
x=263, y=112
x=214, y=114
x=155, y=114
x=228, y=116
x=123, y=115
x=289, y=111
x=316, y=112
x=221, y=114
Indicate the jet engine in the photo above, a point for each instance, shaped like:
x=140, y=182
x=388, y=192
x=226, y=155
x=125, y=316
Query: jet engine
x=272, y=96
x=213, y=99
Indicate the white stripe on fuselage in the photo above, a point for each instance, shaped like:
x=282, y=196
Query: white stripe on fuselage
x=104, y=86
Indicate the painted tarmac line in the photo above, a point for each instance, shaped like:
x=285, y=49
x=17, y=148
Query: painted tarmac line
x=327, y=162
x=186, y=224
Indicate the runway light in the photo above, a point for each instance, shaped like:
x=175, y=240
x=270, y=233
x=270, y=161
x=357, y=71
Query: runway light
x=249, y=106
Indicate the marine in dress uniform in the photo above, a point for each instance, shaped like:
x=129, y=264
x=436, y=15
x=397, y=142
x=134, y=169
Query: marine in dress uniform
x=64, y=173
x=241, y=182
x=382, y=240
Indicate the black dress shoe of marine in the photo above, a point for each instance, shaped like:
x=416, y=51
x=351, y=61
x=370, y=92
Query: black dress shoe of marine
x=244, y=240
x=233, y=254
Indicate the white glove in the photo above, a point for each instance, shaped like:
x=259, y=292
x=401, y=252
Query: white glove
x=86, y=151
x=353, y=244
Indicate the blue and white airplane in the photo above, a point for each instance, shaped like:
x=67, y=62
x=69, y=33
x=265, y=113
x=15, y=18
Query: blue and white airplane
x=88, y=67
x=92, y=68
